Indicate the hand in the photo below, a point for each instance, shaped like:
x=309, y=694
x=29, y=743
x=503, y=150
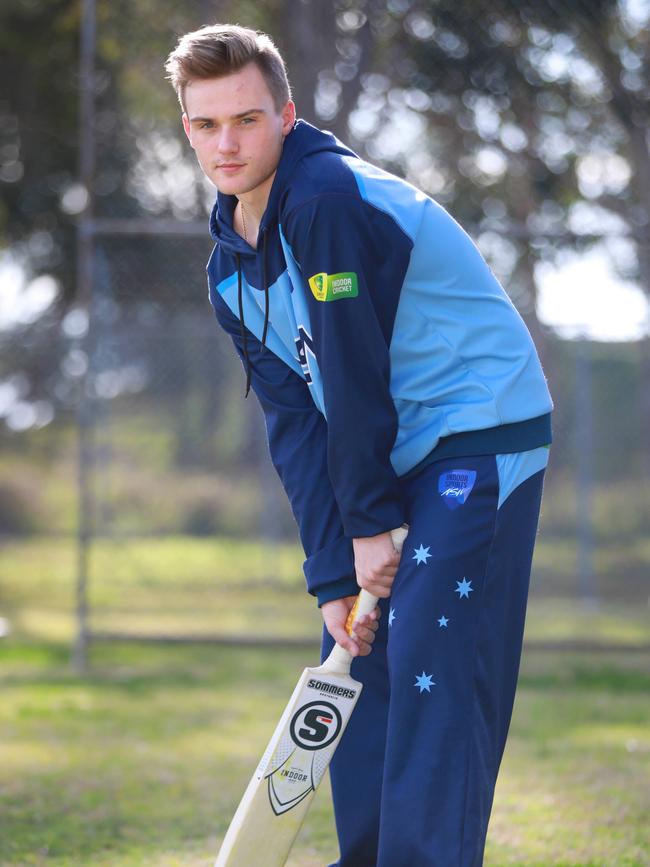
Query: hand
x=335, y=614
x=376, y=562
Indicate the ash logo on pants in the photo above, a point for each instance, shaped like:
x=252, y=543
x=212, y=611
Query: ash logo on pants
x=455, y=486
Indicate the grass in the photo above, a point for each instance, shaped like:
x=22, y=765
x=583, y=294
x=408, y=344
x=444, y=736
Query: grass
x=235, y=587
x=142, y=761
x=156, y=585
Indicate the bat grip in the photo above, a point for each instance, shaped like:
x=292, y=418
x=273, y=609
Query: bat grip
x=364, y=604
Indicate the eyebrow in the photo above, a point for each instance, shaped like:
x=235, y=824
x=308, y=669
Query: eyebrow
x=233, y=117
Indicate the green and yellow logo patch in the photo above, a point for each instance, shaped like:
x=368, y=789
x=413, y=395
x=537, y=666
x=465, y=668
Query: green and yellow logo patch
x=331, y=287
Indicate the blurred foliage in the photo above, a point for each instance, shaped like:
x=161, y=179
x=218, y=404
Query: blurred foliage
x=509, y=112
x=527, y=120
x=38, y=131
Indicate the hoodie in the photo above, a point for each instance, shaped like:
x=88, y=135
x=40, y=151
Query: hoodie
x=376, y=339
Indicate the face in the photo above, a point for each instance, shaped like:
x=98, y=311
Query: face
x=236, y=131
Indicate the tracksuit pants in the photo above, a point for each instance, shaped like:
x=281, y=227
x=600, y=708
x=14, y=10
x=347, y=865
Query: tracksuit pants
x=413, y=778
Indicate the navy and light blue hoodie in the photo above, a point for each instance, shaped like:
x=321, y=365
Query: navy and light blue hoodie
x=376, y=339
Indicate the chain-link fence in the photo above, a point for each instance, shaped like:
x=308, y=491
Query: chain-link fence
x=170, y=473
x=176, y=458
x=183, y=527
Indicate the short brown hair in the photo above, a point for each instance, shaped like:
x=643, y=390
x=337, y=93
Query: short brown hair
x=221, y=49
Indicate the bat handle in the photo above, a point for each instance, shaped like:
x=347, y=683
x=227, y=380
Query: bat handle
x=365, y=604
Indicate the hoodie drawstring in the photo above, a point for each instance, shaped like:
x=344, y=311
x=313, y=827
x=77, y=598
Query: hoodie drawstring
x=242, y=326
x=265, y=286
x=240, y=301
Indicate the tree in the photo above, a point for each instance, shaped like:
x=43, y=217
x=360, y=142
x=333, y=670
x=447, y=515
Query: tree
x=525, y=119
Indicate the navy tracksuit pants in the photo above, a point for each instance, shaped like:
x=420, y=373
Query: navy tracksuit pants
x=414, y=776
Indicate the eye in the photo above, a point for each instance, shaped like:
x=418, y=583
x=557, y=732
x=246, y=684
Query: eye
x=245, y=121
x=206, y=124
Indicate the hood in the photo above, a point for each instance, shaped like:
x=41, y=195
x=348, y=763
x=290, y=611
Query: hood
x=303, y=139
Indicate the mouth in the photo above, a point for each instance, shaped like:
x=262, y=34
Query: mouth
x=229, y=167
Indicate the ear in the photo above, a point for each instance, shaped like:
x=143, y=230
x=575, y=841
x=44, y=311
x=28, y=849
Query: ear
x=288, y=117
x=186, y=127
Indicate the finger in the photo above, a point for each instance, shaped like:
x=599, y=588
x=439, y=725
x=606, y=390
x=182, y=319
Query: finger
x=387, y=573
x=363, y=634
x=381, y=587
x=368, y=621
x=364, y=647
x=344, y=640
x=370, y=582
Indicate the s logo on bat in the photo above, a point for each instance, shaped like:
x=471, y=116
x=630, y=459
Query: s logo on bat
x=315, y=726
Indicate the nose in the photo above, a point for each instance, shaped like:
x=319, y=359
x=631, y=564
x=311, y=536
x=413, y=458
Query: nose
x=227, y=141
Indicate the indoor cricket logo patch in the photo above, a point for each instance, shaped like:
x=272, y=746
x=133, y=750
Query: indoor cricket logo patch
x=332, y=287
x=455, y=487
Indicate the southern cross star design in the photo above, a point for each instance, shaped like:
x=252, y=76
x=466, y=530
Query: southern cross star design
x=464, y=588
x=421, y=554
x=424, y=681
x=391, y=616
x=443, y=621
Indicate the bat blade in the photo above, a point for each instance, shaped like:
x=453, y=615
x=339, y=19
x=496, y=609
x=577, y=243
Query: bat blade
x=283, y=786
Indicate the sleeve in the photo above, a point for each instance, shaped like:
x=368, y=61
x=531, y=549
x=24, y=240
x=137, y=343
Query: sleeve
x=297, y=439
x=353, y=259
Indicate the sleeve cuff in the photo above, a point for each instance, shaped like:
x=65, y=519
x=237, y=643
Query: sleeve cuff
x=330, y=571
x=337, y=590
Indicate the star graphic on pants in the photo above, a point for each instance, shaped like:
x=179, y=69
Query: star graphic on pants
x=443, y=621
x=391, y=616
x=421, y=554
x=424, y=681
x=464, y=588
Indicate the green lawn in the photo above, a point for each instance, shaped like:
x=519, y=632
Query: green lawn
x=142, y=761
x=233, y=587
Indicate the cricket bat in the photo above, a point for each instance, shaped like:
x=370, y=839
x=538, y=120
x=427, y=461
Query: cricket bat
x=281, y=790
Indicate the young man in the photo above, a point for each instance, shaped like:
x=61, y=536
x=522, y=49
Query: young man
x=399, y=385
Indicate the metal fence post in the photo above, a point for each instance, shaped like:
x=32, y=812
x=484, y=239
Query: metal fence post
x=584, y=433
x=85, y=269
